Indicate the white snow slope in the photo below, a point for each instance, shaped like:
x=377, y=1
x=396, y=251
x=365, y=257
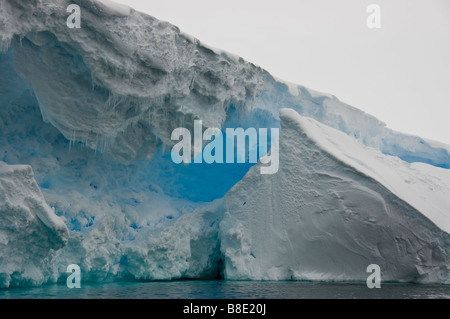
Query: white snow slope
x=334, y=208
x=92, y=110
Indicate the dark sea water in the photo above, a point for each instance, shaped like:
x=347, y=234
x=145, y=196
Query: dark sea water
x=229, y=290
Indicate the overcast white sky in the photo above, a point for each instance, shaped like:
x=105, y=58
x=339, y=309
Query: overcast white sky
x=399, y=73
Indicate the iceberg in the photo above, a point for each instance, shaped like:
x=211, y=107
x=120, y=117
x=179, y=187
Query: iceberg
x=86, y=117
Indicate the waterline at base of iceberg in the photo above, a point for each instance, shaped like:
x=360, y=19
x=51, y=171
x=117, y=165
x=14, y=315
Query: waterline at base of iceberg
x=216, y=289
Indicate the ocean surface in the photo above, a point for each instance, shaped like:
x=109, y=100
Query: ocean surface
x=217, y=289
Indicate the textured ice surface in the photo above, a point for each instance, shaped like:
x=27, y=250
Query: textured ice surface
x=121, y=84
x=335, y=207
x=105, y=7
x=91, y=110
x=29, y=229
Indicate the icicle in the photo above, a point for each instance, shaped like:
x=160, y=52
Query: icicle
x=92, y=80
x=71, y=139
x=96, y=144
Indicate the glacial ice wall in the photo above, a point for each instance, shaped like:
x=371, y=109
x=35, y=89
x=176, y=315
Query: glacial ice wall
x=92, y=109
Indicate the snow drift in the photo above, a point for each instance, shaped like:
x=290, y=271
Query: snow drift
x=91, y=110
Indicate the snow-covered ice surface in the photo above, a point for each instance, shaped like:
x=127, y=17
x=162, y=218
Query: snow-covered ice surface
x=335, y=207
x=105, y=7
x=91, y=110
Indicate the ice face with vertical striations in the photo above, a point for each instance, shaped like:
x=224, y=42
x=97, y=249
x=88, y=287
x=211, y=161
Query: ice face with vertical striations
x=91, y=110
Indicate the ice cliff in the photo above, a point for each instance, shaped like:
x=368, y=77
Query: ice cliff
x=91, y=110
